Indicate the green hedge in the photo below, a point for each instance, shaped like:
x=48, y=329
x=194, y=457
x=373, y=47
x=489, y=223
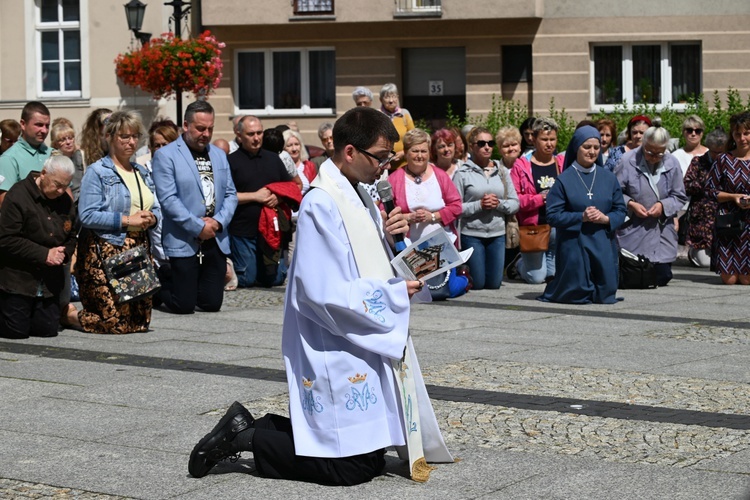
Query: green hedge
x=513, y=112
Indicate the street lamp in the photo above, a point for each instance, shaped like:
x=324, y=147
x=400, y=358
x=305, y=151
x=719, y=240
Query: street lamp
x=134, y=11
x=177, y=15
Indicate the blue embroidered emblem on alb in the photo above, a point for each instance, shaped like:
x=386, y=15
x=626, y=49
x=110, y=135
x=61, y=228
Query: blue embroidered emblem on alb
x=374, y=305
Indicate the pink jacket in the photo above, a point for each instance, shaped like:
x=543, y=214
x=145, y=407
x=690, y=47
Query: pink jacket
x=452, y=199
x=529, y=200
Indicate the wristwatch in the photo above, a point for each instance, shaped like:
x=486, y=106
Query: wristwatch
x=433, y=217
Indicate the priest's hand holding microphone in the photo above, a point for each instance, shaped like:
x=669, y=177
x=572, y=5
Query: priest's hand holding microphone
x=396, y=225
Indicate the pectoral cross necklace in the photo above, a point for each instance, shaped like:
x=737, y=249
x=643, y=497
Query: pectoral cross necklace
x=200, y=255
x=589, y=191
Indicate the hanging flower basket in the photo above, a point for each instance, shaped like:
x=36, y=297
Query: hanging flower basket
x=168, y=64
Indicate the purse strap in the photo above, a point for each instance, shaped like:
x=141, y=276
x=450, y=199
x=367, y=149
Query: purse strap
x=140, y=197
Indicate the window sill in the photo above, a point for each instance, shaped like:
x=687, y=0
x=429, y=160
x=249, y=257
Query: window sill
x=611, y=108
x=417, y=14
x=288, y=113
x=50, y=102
x=312, y=18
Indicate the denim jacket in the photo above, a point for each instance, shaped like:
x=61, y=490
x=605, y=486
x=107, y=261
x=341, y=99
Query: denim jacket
x=104, y=199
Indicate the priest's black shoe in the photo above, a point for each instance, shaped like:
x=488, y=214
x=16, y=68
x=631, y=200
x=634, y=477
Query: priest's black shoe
x=217, y=444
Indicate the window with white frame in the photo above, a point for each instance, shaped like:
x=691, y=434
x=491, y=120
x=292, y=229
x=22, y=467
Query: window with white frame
x=58, y=46
x=286, y=81
x=649, y=73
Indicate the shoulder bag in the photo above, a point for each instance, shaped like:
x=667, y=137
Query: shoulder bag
x=131, y=274
x=636, y=271
x=729, y=225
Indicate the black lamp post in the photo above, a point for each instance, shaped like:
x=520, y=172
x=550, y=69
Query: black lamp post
x=134, y=11
x=181, y=9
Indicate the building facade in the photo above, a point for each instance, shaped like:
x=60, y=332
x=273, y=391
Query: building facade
x=299, y=60
x=62, y=52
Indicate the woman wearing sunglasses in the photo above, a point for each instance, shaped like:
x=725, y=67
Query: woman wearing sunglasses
x=651, y=182
x=692, y=132
x=533, y=177
x=487, y=196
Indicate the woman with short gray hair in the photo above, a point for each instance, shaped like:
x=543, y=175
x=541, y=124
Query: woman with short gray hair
x=37, y=241
x=401, y=119
x=651, y=182
x=362, y=97
x=533, y=177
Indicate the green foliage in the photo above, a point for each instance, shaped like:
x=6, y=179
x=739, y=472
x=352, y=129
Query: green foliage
x=502, y=113
x=514, y=112
x=713, y=115
x=566, y=123
x=423, y=124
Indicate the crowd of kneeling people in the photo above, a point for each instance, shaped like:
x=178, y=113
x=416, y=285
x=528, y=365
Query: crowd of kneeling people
x=537, y=215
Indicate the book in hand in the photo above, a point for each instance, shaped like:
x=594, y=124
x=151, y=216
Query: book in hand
x=429, y=256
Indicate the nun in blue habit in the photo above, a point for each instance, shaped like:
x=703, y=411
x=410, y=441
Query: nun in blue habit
x=586, y=207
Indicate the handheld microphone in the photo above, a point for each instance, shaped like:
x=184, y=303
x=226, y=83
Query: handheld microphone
x=385, y=191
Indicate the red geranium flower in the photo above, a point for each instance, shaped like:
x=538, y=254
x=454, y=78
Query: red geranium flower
x=159, y=67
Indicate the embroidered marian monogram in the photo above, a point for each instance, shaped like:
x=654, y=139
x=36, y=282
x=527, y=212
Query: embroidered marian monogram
x=310, y=403
x=374, y=305
x=360, y=399
x=411, y=425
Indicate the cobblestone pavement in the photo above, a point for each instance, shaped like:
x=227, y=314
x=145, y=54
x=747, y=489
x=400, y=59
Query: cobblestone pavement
x=466, y=425
x=616, y=440
x=595, y=384
x=700, y=333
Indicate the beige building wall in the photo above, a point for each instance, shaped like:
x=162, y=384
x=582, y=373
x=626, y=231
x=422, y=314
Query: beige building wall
x=369, y=54
x=104, y=34
x=368, y=37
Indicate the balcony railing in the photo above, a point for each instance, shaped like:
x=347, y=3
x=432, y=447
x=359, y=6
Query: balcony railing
x=312, y=7
x=427, y=8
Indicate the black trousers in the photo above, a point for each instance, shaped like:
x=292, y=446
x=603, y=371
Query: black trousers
x=663, y=273
x=21, y=316
x=187, y=283
x=273, y=449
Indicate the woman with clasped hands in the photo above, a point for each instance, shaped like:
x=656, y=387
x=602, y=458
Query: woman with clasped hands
x=117, y=206
x=729, y=184
x=651, y=182
x=36, y=239
x=425, y=193
x=586, y=207
x=488, y=196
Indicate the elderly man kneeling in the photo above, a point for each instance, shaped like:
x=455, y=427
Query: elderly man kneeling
x=36, y=240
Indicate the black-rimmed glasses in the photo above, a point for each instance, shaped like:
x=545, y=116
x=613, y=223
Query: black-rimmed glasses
x=482, y=144
x=381, y=162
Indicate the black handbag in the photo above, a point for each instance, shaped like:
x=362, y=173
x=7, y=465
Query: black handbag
x=729, y=225
x=131, y=275
x=636, y=271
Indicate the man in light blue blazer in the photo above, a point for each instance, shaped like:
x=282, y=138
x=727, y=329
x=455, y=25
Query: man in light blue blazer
x=198, y=199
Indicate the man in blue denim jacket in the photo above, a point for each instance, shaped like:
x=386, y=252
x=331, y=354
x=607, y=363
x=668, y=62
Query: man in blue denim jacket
x=198, y=200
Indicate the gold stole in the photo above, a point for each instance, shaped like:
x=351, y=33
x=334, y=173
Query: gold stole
x=373, y=262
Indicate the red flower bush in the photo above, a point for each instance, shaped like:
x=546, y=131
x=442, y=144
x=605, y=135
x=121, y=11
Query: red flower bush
x=168, y=64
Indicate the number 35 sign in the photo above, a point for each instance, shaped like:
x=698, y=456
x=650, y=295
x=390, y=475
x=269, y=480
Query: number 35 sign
x=436, y=87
